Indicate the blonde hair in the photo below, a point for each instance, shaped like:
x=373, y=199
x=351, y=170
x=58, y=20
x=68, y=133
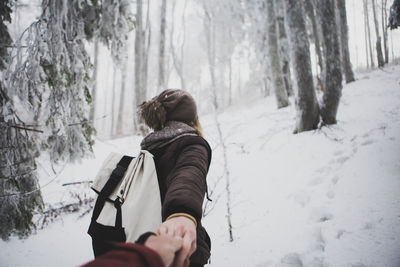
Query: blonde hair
x=196, y=125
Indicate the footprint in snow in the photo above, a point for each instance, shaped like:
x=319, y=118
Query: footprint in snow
x=330, y=194
x=321, y=215
x=340, y=233
x=368, y=142
x=302, y=198
x=318, y=180
x=291, y=260
x=335, y=179
x=338, y=153
x=342, y=160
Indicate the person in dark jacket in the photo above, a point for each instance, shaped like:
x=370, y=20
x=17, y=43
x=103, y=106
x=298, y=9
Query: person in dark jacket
x=182, y=158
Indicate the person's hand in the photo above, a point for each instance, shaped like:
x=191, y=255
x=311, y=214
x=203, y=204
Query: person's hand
x=185, y=228
x=166, y=246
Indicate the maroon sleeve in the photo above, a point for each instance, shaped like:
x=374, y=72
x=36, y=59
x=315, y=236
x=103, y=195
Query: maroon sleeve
x=128, y=254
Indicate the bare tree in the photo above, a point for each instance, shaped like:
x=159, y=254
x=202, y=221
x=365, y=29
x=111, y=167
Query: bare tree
x=385, y=30
x=142, y=45
x=311, y=14
x=368, y=31
x=161, y=53
x=114, y=92
x=381, y=61
x=306, y=100
x=139, y=51
x=120, y=118
x=344, y=40
x=274, y=58
x=366, y=40
x=178, y=52
x=209, y=28
x=94, y=87
x=332, y=75
x=283, y=47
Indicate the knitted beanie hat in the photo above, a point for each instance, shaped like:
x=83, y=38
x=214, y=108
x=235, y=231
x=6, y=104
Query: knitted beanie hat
x=170, y=105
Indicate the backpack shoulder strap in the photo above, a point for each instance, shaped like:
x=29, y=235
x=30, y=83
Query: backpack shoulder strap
x=111, y=184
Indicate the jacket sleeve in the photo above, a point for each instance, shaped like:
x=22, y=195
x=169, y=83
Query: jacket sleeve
x=186, y=183
x=128, y=254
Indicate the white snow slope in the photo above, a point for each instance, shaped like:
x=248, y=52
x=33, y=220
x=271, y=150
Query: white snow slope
x=329, y=197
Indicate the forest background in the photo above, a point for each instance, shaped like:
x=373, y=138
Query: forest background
x=72, y=72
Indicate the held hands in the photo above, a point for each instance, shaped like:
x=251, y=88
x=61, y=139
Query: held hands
x=165, y=246
x=184, y=228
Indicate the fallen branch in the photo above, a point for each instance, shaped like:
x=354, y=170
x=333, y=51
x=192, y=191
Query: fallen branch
x=52, y=213
x=80, y=182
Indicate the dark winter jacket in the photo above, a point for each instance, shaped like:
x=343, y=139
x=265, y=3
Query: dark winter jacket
x=182, y=166
x=128, y=254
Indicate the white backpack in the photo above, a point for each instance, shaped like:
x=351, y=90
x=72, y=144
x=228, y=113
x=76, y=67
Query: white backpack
x=129, y=202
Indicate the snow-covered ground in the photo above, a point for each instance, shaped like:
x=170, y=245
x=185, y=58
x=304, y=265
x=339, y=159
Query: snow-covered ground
x=329, y=197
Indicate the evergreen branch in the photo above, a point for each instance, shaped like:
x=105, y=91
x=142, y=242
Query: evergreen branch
x=14, y=46
x=28, y=127
x=23, y=128
x=37, y=189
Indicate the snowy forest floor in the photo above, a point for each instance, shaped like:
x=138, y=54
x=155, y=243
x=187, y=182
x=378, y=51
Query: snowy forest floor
x=329, y=197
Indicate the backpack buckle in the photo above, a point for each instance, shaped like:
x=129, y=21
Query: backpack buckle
x=119, y=201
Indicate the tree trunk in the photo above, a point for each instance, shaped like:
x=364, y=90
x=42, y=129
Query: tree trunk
x=366, y=19
x=139, y=51
x=178, y=55
x=384, y=31
x=230, y=82
x=161, y=55
x=332, y=76
x=344, y=41
x=381, y=61
x=120, y=120
x=283, y=47
x=274, y=58
x=310, y=11
x=92, y=114
x=209, y=29
x=366, y=40
x=210, y=40
x=114, y=91
x=142, y=46
x=306, y=100
x=146, y=49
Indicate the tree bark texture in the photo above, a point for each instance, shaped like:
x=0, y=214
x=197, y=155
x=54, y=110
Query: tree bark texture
x=161, y=54
x=344, y=41
x=120, y=120
x=306, y=100
x=139, y=36
x=332, y=76
x=274, y=58
x=366, y=21
x=114, y=91
x=381, y=61
x=311, y=14
x=366, y=40
x=92, y=114
x=178, y=53
x=284, y=47
x=384, y=30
